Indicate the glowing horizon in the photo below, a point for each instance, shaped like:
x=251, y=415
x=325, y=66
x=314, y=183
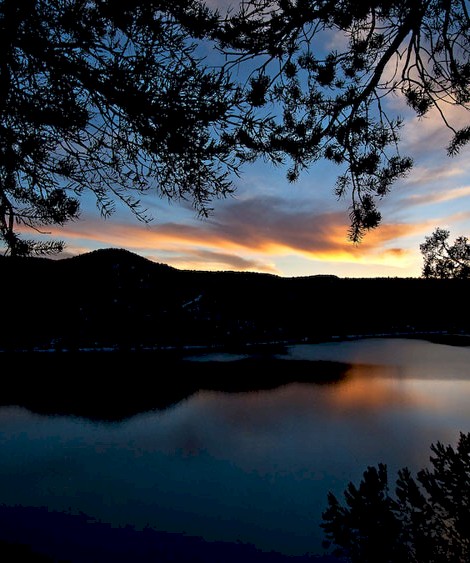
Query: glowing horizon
x=272, y=226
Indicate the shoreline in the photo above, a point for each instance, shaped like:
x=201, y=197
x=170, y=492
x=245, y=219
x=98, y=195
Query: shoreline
x=161, y=378
x=436, y=336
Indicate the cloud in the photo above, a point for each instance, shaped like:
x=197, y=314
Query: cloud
x=223, y=6
x=433, y=174
x=267, y=223
x=459, y=216
x=423, y=135
x=439, y=197
x=204, y=259
x=249, y=235
x=268, y=226
x=396, y=251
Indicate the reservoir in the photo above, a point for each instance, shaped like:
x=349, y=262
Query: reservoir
x=250, y=466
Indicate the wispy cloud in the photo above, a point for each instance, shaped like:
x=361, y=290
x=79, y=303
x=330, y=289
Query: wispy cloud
x=442, y=172
x=460, y=216
x=428, y=134
x=269, y=227
x=439, y=197
x=249, y=235
x=194, y=259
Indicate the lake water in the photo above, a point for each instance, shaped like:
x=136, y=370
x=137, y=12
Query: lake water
x=255, y=466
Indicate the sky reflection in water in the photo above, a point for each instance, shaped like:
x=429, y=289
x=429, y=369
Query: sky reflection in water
x=250, y=466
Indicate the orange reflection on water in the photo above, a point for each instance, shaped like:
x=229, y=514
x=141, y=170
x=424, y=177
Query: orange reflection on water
x=375, y=388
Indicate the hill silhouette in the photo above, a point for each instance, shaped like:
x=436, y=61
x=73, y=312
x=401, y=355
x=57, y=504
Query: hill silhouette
x=115, y=298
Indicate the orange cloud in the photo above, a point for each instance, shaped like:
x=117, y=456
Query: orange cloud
x=399, y=252
x=244, y=235
x=197, y=259
x=267, y=225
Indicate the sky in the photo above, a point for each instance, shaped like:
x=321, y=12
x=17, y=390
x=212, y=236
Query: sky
x=301, y=229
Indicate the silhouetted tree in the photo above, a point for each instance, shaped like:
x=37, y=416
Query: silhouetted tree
x=108, y=97
x=115, y=98
x=445, y=260
x=427, y=521
x=332, y=100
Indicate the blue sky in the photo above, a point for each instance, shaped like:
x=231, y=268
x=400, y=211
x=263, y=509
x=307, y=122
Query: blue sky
x=299, y=229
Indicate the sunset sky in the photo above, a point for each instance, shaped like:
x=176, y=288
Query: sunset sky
x=299, y=229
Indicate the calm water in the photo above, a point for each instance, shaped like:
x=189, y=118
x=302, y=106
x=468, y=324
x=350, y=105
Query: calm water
x=255, y=466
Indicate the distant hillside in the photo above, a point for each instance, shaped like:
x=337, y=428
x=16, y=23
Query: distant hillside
x=116, y=298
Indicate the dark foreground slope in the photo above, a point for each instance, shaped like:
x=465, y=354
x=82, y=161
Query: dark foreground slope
x=116, y=298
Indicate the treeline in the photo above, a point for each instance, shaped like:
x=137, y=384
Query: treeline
x=115, y=298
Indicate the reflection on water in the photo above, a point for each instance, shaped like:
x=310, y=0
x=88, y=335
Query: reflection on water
x=250, y=466
x=406, y=357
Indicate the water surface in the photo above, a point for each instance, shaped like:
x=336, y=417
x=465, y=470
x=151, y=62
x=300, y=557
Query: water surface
x=251, y=466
